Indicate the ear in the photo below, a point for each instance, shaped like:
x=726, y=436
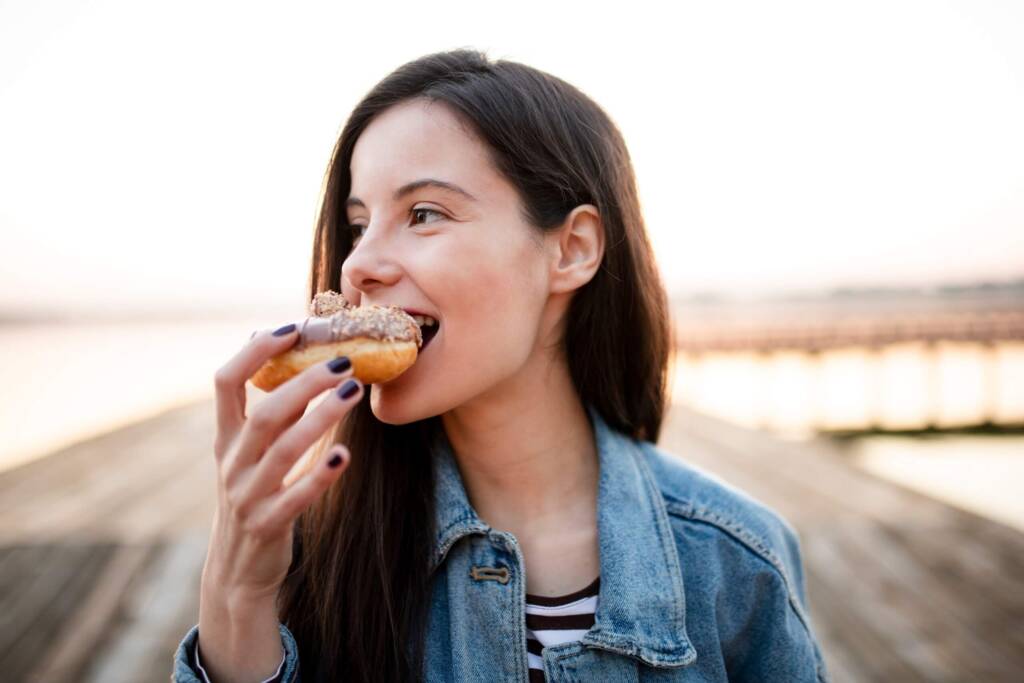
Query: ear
x=576, y=249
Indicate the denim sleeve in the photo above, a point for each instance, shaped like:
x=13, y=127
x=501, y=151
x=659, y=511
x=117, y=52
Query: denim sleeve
x=187, y=670
x=778, y=642
x=792, y=561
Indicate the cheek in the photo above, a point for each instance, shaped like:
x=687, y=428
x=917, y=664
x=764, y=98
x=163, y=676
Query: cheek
x=491, y=298
x=494, y=293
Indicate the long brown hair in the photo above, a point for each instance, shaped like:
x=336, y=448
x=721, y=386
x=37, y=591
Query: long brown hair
x=357, y=594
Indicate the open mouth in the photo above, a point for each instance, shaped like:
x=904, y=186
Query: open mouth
x=428, y=332
x=428, y=329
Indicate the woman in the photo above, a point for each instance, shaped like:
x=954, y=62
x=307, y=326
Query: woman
x=504, y=513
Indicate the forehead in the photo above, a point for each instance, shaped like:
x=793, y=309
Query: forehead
x=418, y=139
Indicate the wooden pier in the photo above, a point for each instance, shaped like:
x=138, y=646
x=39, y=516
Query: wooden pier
x=102, y=544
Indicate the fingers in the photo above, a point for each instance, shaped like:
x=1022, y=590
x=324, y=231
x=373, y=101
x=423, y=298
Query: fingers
x=285, y=405
x=281, y=509
x=296, y=440
x=229, y=380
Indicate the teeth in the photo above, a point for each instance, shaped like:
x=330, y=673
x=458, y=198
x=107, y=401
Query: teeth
x=424, y=320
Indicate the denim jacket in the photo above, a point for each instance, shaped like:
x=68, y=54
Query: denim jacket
x=699, y=582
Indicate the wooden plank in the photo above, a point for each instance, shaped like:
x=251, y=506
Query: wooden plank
x=157, y=614
x=49, y=593
x=945, y=617
x=992, y=593
x=107, y=478
x=894, y=633
x=87, y=626
x=21, y=562
x=71, y=467
x=852, y=647
x=182, y=503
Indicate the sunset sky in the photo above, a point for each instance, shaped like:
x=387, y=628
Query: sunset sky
x=173, y=153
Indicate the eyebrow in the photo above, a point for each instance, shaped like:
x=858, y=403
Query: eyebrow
x=409, y=188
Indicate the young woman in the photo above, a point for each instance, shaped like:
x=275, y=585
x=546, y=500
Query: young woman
x=499, y=511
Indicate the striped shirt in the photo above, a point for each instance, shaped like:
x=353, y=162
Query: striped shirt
x=555, y=620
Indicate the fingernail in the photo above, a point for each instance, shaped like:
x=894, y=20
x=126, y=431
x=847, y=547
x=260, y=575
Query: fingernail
x=287, y=329
x=340, y=364
x=335, y=461
x=349, y=389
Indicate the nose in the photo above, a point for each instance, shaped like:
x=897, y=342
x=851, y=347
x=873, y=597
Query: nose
x=371, y=264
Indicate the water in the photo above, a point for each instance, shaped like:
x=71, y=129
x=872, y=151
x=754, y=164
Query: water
x=66, y=382
x=978, y=473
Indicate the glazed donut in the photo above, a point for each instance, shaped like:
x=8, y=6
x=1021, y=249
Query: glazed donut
x=381, y=341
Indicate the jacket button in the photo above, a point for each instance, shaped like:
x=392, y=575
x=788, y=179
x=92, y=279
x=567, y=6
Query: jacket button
x=499, y=574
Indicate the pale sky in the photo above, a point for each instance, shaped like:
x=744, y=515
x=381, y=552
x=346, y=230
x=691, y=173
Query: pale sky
x=173, y=152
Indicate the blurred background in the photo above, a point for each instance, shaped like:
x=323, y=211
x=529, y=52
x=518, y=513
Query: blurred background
x=835, y=193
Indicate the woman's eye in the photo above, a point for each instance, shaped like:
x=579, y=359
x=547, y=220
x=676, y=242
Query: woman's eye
x=356, y=231
x=421, y=210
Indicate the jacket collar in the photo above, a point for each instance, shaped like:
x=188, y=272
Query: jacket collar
x=641, y=609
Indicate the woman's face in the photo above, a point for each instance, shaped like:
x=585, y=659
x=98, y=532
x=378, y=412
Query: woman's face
x=467, y=259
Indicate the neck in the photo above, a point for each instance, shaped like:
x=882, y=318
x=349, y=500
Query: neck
x=526, y=452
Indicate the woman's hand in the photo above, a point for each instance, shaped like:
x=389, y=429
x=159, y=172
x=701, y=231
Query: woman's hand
x=250, y=546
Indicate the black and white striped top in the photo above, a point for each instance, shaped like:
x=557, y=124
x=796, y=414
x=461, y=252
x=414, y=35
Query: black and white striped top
x=556, y=620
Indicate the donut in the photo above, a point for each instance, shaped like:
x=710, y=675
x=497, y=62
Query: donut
x=381, y=341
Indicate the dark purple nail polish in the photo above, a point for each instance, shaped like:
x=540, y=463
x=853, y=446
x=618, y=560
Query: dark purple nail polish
x=335, y=461
x=281, y=331
x=349, y=389
x=340, y=364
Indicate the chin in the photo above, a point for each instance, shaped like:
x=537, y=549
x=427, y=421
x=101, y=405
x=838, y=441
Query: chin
x=390, y=406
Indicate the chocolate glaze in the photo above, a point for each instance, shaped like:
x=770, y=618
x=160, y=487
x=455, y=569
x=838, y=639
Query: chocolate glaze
x=384, y=323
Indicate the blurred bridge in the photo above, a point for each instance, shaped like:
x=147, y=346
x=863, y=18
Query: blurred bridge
x=920, y=364
x=819, y=330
